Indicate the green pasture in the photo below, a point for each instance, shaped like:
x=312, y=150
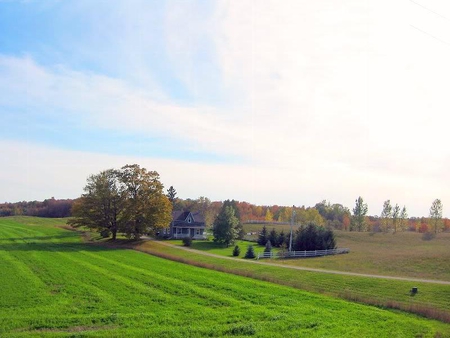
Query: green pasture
x=54, y=285
x=403, y=254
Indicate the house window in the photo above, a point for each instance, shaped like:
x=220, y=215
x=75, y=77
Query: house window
x=189, y=220
x=197, y=231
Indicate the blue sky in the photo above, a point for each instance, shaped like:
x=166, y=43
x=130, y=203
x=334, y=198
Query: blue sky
x=272, y=103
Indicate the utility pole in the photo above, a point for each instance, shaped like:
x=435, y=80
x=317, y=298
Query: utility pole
x=292, y=224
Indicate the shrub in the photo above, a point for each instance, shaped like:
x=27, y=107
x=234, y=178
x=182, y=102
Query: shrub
x=250, y=252
x=236, y=251
x=187, y=241
x=428, y=236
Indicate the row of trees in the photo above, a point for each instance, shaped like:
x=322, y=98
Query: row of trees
x=48, y=208
x=394, y=218
x=129, y=200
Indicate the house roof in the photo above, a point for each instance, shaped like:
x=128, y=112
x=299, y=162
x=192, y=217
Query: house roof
x=180, y=217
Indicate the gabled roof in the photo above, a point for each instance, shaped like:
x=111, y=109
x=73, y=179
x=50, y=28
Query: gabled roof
x=181, y=217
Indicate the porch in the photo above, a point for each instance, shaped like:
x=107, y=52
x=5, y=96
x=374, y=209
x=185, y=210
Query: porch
x=194, y=233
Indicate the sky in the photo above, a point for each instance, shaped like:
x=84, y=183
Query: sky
x=269, y=102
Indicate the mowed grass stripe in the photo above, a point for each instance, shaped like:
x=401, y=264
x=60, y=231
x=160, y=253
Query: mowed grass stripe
x=181, y=284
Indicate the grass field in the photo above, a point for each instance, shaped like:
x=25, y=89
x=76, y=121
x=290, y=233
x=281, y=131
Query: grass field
x=220, y=249
x=53, y=285
x=403, y=254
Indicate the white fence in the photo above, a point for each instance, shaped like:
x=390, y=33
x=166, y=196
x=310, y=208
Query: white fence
x=296, y=254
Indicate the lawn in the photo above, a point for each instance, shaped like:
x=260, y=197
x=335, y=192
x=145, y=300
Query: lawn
x=220, y=249
x=54, y=285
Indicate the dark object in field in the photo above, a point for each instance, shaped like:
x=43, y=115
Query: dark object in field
x=414, y=290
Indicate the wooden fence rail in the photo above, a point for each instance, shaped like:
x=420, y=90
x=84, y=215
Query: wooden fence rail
x=296, y=254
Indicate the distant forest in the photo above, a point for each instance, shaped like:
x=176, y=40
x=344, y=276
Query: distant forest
x=52, y=208
x=323, y=213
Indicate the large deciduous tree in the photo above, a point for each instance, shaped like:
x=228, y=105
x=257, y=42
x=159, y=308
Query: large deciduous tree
x=129, y=200
x=225, y=229
x=101, y=206
x=436, y=215
x=147, y=209
x=358, y=221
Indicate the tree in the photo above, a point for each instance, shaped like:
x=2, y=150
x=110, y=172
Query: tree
x=102, y=206
x=268, y=247
x=171, y=194
x=359, y=214
x=281, y=239
x=146, y=208
x=236, y=251
x=262, y=238
x=237, y=213
x=386, y=216
x=403, y=219
x=273, y=237
x=313, y=237
x=395, y=217
x=225, y=226
x=269, y=216
x=436, y=215
x=250, y=252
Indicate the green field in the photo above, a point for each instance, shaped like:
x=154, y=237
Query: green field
x=403, y=254
x=220, y=249
x=52, y=284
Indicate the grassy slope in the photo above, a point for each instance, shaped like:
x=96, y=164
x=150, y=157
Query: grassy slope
x=54, y=285
x=432, y=300
x=402, y=254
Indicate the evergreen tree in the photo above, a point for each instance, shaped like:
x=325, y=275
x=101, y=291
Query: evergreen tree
x=171, y=194
x=262, y=238
x=273, y=237
x=225, y=226
x=281, y=239
x=236, y=251
x=313, y=237
x=250, y=252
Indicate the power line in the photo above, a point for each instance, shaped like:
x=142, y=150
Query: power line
x=430, y=10
x=440, y=40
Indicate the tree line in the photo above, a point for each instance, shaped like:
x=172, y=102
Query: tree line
x=53, y=208
x=394, y=219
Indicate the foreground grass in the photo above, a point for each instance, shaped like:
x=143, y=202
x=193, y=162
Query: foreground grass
x=53, y=285
x=403, y=254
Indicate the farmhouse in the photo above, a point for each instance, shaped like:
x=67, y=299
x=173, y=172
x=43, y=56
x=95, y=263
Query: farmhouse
x=187, y=224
